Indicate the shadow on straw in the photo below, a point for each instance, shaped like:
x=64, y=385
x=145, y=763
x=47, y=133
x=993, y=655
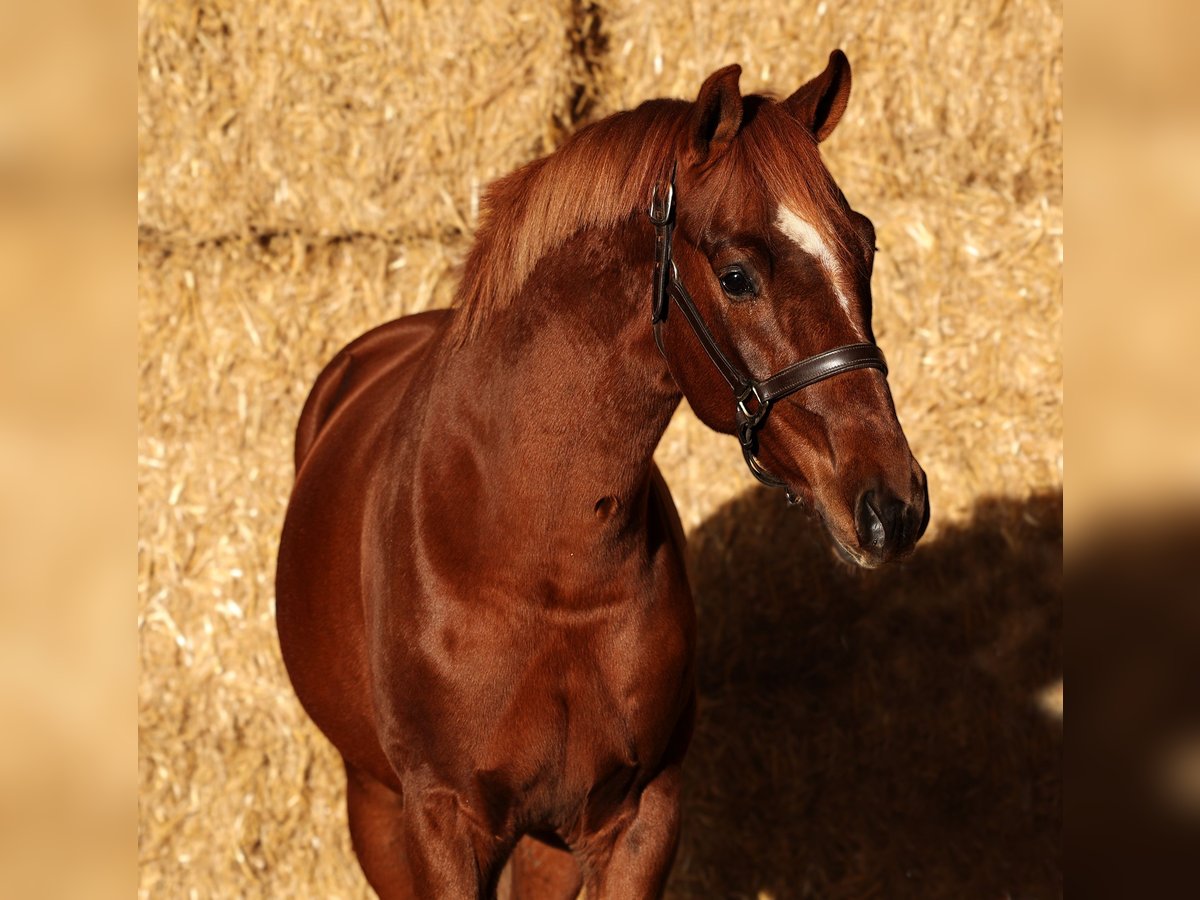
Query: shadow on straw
x=876, y=734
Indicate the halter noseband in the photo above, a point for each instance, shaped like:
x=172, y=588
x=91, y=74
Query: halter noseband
x=752, y=398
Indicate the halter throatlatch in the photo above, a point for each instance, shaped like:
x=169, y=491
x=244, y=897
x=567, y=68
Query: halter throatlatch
x=752, y=398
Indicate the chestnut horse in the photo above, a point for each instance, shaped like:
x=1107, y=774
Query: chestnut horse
x=482, y=599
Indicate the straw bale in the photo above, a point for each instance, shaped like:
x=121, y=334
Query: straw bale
x=340, y=118
x=283, y=212
x=945, y=95
x=239, y=795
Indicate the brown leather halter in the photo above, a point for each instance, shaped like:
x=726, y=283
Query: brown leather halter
x=752, y=398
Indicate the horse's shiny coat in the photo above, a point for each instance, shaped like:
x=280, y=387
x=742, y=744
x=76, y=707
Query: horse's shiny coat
x=481, y=593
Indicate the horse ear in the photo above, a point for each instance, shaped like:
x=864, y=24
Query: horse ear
x=717, y=113
x=819, y=104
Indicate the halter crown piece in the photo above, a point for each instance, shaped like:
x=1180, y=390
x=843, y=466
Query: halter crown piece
x=752, y=398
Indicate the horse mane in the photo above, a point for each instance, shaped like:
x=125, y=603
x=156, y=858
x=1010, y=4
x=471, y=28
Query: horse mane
x=598, y=177
x=606, y=171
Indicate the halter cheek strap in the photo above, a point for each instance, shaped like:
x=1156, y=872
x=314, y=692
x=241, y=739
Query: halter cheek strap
x=752, y=398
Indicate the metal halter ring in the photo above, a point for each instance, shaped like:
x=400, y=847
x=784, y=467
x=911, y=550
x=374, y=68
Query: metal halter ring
x=755, y=416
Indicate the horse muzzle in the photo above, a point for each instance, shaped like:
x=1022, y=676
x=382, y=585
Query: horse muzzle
x=888, y=526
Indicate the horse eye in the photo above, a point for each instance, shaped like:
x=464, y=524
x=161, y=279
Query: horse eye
x=736, y=284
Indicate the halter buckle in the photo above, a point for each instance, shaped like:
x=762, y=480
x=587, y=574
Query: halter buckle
x=662, y=214
x=662, y=217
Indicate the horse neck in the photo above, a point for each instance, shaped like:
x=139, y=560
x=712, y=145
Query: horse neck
x=574, y=394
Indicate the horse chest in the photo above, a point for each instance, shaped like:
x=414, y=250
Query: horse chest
x=572, y=744
x=551, y=716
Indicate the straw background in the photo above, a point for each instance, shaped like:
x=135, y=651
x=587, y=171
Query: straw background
x=310, y=169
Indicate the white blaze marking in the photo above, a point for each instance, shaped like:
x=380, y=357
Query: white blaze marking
x=803, y=233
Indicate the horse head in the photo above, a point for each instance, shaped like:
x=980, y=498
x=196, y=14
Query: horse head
x=779, y=265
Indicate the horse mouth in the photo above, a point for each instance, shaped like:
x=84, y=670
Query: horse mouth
x=848, y=556
x=864, y=561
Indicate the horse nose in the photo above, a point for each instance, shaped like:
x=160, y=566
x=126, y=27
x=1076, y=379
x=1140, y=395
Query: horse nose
x=886, y=524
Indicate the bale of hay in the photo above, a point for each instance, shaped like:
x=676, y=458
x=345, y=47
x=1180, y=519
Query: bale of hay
x=239, y=793
x=283, y=212
x=341, y=118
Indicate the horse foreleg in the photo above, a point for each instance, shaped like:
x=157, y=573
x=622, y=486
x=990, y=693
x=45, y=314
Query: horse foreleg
x=450, y=853
x=419, y=846
x=376, y=816
x=635, y=860
x=542, y=872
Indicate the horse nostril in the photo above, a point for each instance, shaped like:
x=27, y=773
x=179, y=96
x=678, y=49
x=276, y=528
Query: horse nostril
x=869, y=522
x=884, y=520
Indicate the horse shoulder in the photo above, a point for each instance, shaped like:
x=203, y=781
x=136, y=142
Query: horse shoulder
x=319, y=603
